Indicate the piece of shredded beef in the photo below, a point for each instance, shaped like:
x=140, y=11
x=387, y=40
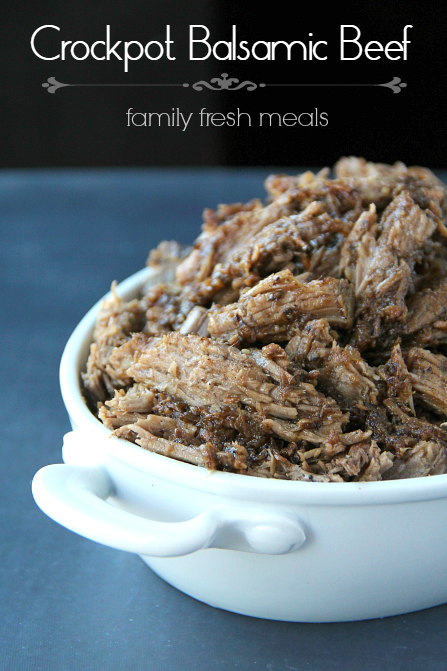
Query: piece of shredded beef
x=304, y=339
x=273, y=309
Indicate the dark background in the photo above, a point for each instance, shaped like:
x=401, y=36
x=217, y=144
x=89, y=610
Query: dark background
x=87, y=126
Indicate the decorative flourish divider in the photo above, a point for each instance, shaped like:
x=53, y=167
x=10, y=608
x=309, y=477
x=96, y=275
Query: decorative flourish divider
x=223, y=83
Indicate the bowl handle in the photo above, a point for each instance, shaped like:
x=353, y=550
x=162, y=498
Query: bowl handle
x=75, y=496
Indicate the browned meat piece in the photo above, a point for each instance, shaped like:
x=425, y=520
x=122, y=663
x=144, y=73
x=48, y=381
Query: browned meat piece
x=195, y=322
x=214, y=218
x=395, y=428
x=310, y=430
x=429, y=336
x=427, y=320
x=216, y=244
x=431, y=266
x=141, y=433
x=163, y=436
x=426, y=308
x=114, y=419
x=321, y=458
x=358, y=244
x=314, y=224
x=309, y=241
x=310, y=345
x=379, y=183
x=325, y=260
x=394, y=424
x=274, y=361
x=220, y=242
x=375, y=181
x=337, y=197
x=277, y=184
x=380, y=464
x=137, y=399
x=162, y=305
x=187, y=427
x=428, y=375
x=428, y=192
x=368, y=262
x=321, y=240
x=277, y=245
x=404, y=229
x=349, y=378
x=405, y=226
x=163, y=260
x=342, y=373
x=398, y=380
x=169, y=428
x=115, y=322
x=202, y=373
x=272, y=310
x=97, y=384
x=363, y=463
x=383, y=268
x=415, y=428
x=425, y=458
x=277, y=466
x=122, y=357
x=167, y=253
x=191, y=425
x=275, y=353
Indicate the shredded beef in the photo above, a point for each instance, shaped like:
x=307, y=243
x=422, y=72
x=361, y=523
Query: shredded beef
x=304, y=339
x=428, y=376
x=272, y=310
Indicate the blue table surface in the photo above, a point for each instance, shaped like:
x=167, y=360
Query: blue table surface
x=68, y=603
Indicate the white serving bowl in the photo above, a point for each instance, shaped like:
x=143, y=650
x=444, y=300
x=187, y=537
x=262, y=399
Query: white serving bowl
x=282, y=550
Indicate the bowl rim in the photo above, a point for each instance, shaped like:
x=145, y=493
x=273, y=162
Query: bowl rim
x=217, y=482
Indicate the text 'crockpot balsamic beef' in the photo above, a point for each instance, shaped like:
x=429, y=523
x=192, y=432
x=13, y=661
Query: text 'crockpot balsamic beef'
x=304, y=339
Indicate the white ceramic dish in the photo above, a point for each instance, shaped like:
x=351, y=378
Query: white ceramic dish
x=296, y=551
